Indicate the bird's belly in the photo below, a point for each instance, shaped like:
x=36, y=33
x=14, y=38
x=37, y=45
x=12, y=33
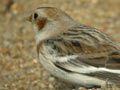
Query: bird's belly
x=74, y=78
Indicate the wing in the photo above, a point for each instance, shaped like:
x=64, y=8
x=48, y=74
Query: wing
x=83, y=47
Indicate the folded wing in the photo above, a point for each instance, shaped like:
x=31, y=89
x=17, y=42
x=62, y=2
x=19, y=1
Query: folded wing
x=85, y=49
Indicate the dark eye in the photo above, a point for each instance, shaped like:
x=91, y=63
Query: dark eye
x=35, y=15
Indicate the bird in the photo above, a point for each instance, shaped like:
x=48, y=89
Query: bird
x=73, y=52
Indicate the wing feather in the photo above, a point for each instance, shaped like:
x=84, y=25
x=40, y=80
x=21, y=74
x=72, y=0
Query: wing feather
x=92, y=47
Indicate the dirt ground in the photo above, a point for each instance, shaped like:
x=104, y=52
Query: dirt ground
x=19, y=68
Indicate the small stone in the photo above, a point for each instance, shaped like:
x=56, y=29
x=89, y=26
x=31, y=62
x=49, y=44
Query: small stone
x=51, y=79
x=20, y=45
x=35, y=61
x=101, y=28
x=4, y=51
x=8, y=15
x=42, y=85
x=14, y=7
x=94, y=1
x=50, y=86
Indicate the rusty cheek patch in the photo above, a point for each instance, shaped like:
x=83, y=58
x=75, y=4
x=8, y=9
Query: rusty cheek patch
x=40, y=23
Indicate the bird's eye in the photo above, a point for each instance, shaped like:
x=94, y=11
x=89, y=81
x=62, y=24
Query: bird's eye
x=35, y=15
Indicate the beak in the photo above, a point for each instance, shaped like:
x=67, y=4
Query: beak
x=29, y=18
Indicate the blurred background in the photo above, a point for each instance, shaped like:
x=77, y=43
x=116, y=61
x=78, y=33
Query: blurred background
x=19, y=68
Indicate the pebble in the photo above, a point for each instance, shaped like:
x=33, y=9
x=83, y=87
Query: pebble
x=51, y=79
x=50, y=86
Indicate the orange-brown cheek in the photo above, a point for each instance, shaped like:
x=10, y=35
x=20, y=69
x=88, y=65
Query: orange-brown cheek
x=40, y=23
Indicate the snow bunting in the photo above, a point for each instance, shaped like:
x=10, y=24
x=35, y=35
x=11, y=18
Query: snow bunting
x=73, y=52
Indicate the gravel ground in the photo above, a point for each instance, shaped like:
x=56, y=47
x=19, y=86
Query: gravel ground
x=19, y=68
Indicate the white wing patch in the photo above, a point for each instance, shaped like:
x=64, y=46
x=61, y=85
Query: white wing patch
x=91, y=69
x=65, y=59
x=83, y=68
x=109, y=70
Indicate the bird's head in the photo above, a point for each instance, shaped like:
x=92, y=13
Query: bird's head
x=48, y=22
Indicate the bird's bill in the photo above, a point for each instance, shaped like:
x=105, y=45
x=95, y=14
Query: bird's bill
x=30, y=18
